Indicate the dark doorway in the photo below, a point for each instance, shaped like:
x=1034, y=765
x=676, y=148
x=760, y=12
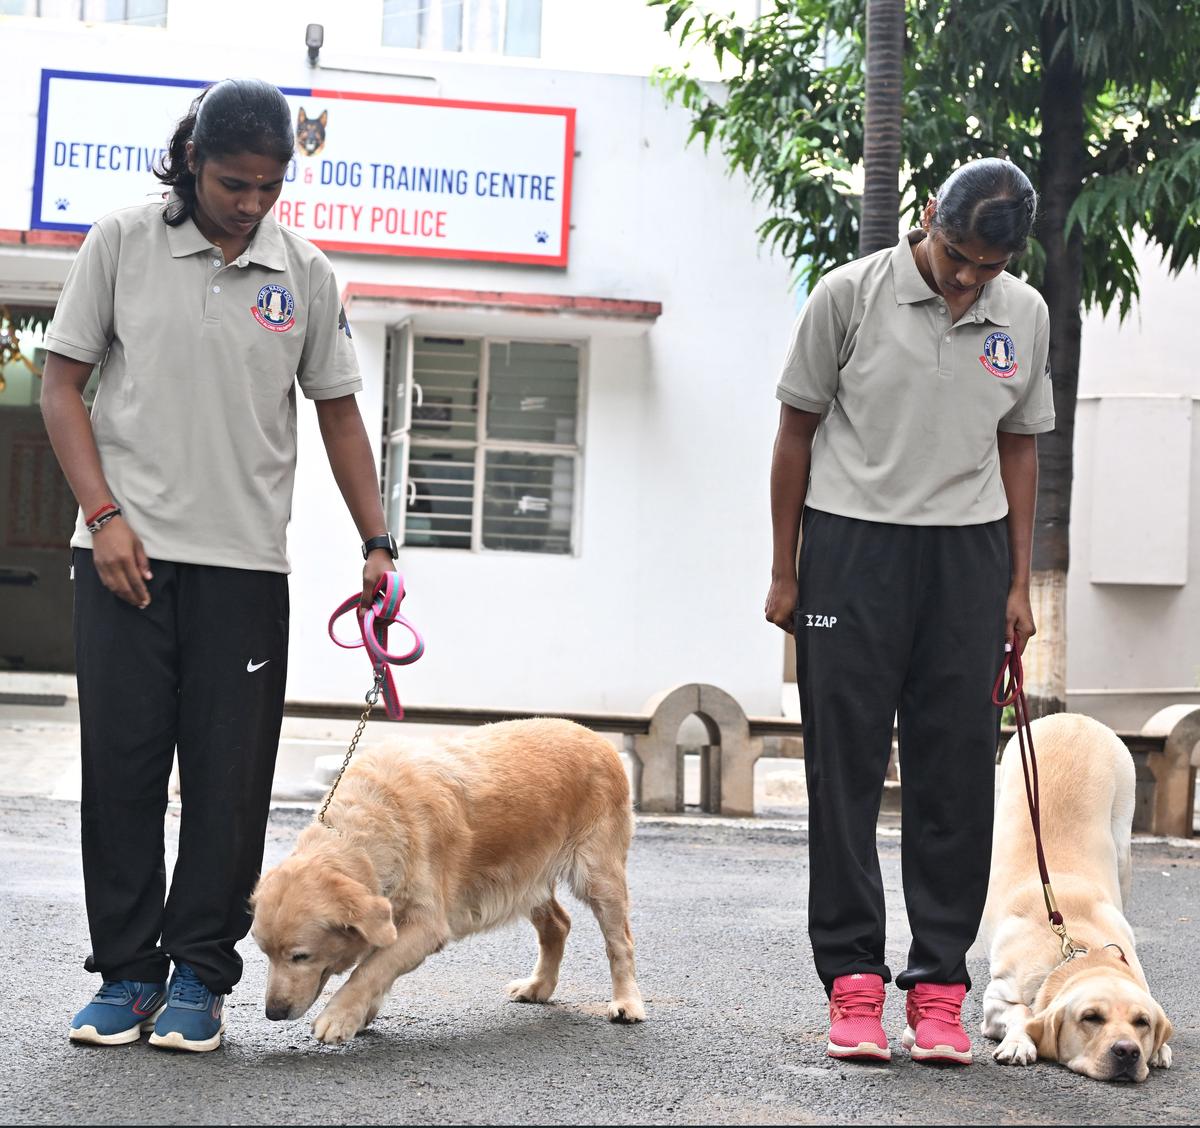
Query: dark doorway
x=37, y=511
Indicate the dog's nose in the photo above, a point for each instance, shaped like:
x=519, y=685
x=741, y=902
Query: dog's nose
x=1126, y=1051
x=275, y=1012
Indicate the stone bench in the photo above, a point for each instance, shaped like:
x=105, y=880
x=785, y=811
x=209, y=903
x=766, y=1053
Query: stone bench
x=1166, y=753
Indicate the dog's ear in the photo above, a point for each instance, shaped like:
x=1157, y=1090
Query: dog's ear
x=302, y=117
x=256, y=892
x=1162, y=1028
x=1043, y=1030
x=324, y=117
x=363, y=911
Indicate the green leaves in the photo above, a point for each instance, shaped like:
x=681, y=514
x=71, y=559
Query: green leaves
x=790, y=118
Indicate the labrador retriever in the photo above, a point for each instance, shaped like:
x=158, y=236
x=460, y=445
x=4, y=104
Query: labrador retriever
x=426, y=844
x=1094, y=1012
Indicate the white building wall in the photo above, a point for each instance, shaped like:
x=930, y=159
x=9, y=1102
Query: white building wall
x=1136, y=636
x=668, y=581
x=673, y=559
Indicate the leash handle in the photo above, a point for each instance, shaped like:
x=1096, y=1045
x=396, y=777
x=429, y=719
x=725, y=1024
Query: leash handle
x=1009, y=689
x=373, y=624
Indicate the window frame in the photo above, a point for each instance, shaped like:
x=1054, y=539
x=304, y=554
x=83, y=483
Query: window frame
x=465, y=32
x=85, y=11
x=402, y=437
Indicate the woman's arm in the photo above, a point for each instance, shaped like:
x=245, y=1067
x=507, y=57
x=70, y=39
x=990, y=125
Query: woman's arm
x=117, y=552
x=1019, y=473
x=789, y=486
x=353, y=466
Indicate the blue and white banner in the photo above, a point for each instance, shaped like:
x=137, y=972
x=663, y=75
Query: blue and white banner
x=373, y=173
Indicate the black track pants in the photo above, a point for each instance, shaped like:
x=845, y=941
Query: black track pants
x=899, y=620
x=202, y=669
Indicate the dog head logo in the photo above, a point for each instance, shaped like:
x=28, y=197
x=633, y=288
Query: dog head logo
x=310, y=132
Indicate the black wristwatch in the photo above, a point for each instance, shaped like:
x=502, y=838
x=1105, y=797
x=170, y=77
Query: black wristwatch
x=386, y=541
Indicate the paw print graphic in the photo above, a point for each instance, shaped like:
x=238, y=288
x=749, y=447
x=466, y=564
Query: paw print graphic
x=62, y=203
x=541, y=237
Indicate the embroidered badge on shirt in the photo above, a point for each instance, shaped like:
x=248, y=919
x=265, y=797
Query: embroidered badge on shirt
x=999, y=355
x=275, y=309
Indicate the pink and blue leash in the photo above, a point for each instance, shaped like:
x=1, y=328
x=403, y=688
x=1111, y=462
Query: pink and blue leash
x=384, y=612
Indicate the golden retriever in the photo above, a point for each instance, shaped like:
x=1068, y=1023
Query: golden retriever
x=1093, y=1013
x=428, y=844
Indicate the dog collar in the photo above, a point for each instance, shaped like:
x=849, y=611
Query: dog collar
x=1078, y=950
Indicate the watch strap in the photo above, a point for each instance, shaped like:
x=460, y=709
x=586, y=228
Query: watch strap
x=386, y=541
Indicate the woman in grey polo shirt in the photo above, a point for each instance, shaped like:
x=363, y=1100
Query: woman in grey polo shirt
x=203, y=315
x=913, y=392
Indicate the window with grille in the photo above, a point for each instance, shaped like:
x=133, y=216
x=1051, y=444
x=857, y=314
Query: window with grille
x=492, y=27
x=135, y=13
x=482, y=442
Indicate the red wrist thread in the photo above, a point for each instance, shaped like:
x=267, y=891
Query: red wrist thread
x=100, y=513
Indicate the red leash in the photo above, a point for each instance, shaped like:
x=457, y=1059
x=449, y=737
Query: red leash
x=1013, y=693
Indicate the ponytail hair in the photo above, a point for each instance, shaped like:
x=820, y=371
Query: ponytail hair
x=990, y=200
x=236, y=115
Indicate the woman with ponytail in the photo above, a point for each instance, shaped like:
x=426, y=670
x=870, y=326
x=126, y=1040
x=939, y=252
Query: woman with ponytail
x=915, y=387
x=203, y=315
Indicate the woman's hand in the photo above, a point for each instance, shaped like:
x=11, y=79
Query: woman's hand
x=1019, y=617
x=780, y=608
x=378, y=562
x=121, y=562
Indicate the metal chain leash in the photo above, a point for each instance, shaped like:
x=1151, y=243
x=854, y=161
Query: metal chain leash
x=371, y=699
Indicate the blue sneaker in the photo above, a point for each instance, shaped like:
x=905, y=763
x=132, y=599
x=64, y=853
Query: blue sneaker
x=193, y=1018
x=121, y=1010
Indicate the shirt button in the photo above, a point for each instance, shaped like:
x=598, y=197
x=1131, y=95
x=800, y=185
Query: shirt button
x=217, y=290
x=216, y=262
x=947, y=335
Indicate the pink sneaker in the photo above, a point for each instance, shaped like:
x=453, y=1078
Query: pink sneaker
x=935, y=1030
x=855, y=1031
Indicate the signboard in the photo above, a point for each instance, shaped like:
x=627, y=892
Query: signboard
x=373, y=173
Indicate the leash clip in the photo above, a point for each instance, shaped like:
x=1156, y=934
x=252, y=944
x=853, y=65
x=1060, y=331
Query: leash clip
x=1070, y=949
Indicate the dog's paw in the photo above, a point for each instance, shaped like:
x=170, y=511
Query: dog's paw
x=336, y=1026
x=1016, y=1049
x=1161, y=1058
x=992, y=1028
x=373, y=1011
x=530, y=990
x=627, y=1010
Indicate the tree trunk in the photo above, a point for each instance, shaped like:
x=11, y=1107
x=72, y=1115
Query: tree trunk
x=880, y=221
x=1061, y=175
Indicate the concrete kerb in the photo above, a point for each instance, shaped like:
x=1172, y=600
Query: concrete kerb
x=1174, y=768
x=727, y=761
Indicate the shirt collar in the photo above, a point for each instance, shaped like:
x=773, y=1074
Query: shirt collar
x=266, y=248
x=185, y=239
x=912, y=288
x=993, y=302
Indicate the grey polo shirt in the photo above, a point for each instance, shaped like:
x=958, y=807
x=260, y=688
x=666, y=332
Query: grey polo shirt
x=911, y=400
x=195, y=416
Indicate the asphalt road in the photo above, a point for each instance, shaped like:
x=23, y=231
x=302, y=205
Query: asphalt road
x=735, y=1032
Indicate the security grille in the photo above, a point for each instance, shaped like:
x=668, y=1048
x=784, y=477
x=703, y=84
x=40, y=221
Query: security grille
x=483, y=442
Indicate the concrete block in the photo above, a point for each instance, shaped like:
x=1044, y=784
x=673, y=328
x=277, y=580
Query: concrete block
x=1174, y=768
